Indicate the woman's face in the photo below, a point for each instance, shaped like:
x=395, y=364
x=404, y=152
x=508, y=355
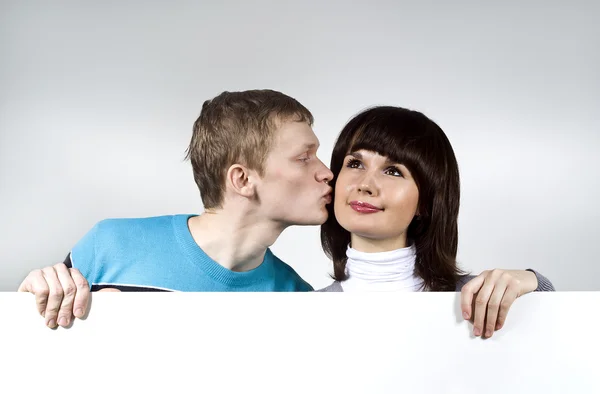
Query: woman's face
x=375, y=200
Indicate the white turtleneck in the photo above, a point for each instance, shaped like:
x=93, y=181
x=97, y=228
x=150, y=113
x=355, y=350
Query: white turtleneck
x=382, y=271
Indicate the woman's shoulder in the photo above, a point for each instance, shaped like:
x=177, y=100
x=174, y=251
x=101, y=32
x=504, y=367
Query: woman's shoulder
x=463, y=280
x=334, y=287
x=337, y=286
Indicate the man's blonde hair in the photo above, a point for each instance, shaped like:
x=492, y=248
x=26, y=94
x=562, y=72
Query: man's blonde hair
x=237, y=127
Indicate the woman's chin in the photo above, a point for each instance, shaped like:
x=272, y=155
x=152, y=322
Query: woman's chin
x=367, y=233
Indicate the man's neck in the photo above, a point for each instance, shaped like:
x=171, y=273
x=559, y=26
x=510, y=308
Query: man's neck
x=237, y=240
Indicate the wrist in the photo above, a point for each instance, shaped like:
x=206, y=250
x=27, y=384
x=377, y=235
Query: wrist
x=531, y=281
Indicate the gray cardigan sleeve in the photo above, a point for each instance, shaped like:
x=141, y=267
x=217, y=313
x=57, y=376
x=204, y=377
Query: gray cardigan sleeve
x=544, y=283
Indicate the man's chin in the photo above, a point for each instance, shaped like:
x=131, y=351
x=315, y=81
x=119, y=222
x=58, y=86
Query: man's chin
x=315, y=220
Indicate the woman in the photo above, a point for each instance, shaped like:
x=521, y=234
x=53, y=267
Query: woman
x=393, y=224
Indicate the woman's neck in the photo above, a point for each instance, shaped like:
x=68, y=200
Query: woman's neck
x=370, y=245
x=392, y=270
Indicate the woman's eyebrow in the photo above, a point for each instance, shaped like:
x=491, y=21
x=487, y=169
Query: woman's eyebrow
x=389, y=161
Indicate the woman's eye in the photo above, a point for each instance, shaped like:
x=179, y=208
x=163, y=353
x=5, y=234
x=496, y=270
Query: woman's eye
x=353, y=163
x=393, y=171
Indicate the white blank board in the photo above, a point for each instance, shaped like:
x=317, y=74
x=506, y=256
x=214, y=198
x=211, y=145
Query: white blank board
x=301, y=343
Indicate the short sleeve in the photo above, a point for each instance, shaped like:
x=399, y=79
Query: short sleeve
x=83, y=255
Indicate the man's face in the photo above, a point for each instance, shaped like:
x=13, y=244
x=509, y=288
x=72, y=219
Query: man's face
x=294, y=189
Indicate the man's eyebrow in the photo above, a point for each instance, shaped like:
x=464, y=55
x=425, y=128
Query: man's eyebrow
x=311, y=145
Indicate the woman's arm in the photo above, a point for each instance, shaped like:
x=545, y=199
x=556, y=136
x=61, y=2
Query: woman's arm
x=486, y=298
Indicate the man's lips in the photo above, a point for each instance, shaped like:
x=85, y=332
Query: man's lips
x=364, y=207
x=327, y=196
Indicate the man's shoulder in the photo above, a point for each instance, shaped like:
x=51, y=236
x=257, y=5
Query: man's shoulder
x=284, y=273
x=134, y=226
x=112, y=224
x=134, y=232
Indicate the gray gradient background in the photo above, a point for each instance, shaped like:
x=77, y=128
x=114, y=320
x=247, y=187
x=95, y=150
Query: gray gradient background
x=97, y=102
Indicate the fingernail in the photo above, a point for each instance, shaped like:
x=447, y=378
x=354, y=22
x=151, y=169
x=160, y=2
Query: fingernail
x=62, y=321
x=488, y=333
x=79, y=312
x=477, y=332
x=51, y=323
x=498, y=326
x=43, y=313
x=465, y=315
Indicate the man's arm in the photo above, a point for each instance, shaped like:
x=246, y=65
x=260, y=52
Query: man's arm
x=63, y=290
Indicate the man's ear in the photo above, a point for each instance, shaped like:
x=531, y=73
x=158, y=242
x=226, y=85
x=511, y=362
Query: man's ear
x=239, y=179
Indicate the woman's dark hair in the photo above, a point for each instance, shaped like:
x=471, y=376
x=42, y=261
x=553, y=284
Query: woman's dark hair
x=412, y=139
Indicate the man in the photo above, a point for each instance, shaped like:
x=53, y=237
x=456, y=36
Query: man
x=253, y=155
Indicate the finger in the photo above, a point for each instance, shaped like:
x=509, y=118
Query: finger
x=55, y=296
x=82, y=297
x=467, y=293
x=493, y=306
x=481, y=303
x=511, y=294
x=25, y=286
x=65, y=313
x=109, y=290
x=36, y=284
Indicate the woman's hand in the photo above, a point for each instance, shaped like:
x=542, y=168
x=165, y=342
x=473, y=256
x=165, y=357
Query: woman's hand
x=494, y=292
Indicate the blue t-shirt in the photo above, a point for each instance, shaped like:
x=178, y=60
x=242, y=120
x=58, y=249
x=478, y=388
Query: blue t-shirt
x=159, y=253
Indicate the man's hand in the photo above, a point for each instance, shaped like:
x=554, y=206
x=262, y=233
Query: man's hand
x=494, y=292
x=60, y=293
